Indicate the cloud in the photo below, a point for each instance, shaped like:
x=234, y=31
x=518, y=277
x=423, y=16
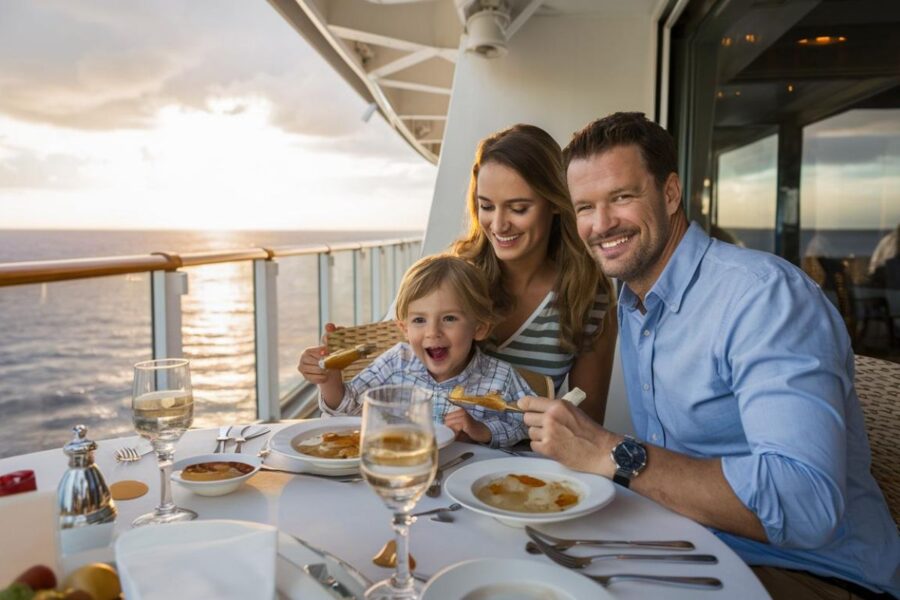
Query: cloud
x=20, y=168
x=102, y=65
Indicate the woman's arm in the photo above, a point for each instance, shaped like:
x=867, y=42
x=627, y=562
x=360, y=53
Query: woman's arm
x=593, y=369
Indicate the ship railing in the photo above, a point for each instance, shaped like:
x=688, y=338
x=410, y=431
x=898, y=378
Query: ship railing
x=388, y=260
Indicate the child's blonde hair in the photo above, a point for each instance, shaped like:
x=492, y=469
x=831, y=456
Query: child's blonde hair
x=467, y=281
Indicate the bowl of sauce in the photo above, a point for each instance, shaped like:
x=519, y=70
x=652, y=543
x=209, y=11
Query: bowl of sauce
x=215, y=474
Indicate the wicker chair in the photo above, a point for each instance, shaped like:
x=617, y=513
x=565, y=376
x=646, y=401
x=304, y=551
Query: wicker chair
x=878, y=388
x=385, y=334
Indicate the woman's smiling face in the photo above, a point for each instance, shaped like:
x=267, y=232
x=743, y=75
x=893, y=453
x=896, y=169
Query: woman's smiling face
x=515, y=219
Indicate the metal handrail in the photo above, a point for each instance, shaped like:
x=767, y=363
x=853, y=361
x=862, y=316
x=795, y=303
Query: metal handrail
x=168, y=282
x=28, y=272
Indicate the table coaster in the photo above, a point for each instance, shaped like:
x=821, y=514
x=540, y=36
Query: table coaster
x=128, y=489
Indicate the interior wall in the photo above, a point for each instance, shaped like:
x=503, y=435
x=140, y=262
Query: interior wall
x=561, y=72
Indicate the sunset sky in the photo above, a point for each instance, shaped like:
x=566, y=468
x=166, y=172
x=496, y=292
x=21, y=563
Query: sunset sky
x=210, y=114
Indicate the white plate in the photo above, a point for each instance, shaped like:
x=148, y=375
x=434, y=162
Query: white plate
x=510, y=579
x=292, y=582
x=289, y=459
x=283, y=441
x=595, y=491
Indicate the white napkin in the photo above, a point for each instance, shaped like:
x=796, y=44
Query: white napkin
x=198, y=559
x=30, y=524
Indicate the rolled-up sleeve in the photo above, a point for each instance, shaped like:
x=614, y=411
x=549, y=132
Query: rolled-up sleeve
x=788, y=367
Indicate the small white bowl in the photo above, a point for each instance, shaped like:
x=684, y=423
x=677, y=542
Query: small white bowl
x=215, y=488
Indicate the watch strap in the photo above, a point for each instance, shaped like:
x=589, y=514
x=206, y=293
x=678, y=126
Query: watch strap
x=622, y=477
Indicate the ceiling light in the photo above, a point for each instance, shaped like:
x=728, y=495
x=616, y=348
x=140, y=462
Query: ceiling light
x=726, y=41
x=751, y=38
x=822, y=40
x=486, y=29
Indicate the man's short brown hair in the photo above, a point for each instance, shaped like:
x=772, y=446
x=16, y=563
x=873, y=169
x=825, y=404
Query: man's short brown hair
x=656, y=145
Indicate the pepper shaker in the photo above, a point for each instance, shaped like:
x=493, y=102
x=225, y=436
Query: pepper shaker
x=83, y=495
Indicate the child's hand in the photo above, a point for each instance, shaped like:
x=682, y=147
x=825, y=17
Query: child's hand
x=464, y=426
x=310, y=369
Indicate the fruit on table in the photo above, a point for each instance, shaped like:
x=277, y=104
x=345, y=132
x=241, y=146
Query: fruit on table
x=67, y=595
x=38, y=577
x=97, y=579
x=38, y=583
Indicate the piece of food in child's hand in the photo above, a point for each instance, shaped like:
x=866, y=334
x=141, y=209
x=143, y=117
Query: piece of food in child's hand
x=575, y=396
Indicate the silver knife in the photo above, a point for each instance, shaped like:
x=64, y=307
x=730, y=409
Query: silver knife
x=222, y=439
x=319, y=572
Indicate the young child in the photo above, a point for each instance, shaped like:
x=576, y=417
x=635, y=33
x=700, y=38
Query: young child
x=443, y=307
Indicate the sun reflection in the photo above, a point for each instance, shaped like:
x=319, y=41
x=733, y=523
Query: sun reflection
x=218, y=339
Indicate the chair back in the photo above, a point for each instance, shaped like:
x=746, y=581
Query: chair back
x=878, y=387
x=385, y=334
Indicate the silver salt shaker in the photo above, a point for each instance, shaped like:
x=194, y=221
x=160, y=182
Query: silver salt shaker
x=83, y=495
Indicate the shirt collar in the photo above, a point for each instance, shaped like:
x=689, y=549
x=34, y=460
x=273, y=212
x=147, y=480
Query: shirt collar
x=673, y=282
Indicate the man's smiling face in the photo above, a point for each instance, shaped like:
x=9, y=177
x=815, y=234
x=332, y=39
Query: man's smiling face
x=621, y=212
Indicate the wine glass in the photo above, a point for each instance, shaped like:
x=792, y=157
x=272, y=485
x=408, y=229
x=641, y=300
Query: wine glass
x=163, y=406
x=398, y=459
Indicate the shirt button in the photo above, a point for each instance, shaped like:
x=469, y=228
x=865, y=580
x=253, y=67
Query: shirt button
x=654, y=437
x=646, y=386
x=646, y=333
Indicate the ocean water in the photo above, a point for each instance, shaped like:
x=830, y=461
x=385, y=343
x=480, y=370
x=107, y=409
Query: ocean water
x=67, y=349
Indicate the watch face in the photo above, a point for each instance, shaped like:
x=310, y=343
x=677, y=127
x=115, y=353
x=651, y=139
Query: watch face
x=630, y=455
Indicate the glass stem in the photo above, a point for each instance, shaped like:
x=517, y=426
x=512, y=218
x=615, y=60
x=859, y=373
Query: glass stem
x=165, y=487
x=402, y=579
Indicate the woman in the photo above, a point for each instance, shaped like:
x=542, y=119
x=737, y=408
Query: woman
x=555, y=307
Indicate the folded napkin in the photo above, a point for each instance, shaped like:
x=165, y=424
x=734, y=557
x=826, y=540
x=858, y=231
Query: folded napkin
x=29, y=523
x=198, y=559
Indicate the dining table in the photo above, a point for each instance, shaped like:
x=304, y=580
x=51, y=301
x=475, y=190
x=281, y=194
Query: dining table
x=351, y=522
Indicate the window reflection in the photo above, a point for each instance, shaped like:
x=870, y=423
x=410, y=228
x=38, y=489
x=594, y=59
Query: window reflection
x=850, y=215
x=746, y=195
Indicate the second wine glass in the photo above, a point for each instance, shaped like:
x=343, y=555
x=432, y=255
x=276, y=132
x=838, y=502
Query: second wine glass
x=163, y=405
x=398, y=459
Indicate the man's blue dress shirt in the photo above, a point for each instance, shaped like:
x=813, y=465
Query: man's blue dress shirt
x=739, y=355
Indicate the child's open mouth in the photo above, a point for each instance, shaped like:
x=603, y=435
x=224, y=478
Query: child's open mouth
x=437, y=352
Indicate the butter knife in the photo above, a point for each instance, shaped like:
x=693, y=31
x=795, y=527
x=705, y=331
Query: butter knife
x=319, y=572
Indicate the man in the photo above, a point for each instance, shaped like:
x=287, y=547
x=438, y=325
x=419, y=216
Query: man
x=739, y=376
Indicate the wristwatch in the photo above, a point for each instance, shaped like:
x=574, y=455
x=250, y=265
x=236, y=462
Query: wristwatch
x=630, y=458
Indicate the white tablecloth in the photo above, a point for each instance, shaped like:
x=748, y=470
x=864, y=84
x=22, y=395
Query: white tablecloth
x=348, y=519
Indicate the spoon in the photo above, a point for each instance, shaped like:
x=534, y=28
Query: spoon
x=439, y=512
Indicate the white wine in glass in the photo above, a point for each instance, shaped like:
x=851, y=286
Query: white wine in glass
x=398, y=459
x=163, y=404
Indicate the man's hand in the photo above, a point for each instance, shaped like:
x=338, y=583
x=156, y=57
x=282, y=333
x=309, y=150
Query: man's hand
x=566, y=434
x=463, y=425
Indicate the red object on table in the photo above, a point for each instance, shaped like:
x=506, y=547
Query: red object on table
x=16, y=482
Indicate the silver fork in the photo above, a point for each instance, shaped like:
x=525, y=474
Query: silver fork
x=241, y=439
x=128, y=454
x=565, y=544
x=579, y=562
x=434, y=490
x=701, y=583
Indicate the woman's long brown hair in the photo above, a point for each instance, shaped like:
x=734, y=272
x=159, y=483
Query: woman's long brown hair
x=537, y=158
